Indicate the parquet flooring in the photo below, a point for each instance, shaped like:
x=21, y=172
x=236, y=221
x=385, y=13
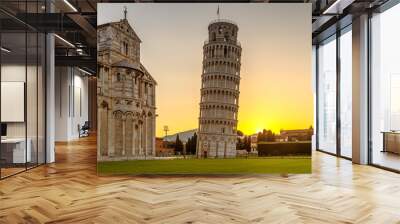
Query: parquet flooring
x=69, y=191
x=8, y=171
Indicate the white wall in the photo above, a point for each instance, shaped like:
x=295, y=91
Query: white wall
x=15, y=73
x=71, y=102
x=81, y=108
x=61, y=103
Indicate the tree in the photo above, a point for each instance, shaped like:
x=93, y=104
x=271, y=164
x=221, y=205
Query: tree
x=194, y=144
x=266, y=136
x=239, y=133
x=260, y=137
x=270, y=136
x=239, y=144
x=247, y=145
x=244, y=143
x=188, y=146
x=191, y=145
x=178, y=145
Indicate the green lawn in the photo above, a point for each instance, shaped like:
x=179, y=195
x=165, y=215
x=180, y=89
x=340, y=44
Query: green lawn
x=208, y=166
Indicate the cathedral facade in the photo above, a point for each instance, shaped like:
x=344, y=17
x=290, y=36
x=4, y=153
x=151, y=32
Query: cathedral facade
x=219, y=103
x=125, y=96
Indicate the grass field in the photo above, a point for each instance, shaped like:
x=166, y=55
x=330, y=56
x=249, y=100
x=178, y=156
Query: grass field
x=208, y=166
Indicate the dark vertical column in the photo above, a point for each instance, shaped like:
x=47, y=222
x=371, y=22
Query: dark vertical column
x=1, y=53
x=317, y=97
x=92, y=91
x=45, y=89
x=369, y=89
x=37, y=90
x=338, y=77
x=26, y=86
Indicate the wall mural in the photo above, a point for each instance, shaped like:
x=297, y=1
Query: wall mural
x=235, y=94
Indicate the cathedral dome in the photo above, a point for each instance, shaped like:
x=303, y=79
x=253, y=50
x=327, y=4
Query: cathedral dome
x=125, y=64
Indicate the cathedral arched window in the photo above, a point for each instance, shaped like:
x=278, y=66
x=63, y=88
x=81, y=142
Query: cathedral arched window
x=124, y=48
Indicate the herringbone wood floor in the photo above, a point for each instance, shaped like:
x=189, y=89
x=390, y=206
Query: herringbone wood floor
x=69, y=191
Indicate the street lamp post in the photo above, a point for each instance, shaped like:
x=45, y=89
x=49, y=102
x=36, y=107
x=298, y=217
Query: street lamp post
x=166, y=129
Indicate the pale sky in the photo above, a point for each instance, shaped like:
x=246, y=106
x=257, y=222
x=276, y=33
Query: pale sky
x=275, y=87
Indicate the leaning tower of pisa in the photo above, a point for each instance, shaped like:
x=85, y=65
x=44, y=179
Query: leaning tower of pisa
x=219, y=91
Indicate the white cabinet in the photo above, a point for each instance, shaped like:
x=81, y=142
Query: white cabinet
x=19, y=155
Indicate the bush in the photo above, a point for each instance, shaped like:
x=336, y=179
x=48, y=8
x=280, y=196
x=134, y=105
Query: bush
x=284, y=148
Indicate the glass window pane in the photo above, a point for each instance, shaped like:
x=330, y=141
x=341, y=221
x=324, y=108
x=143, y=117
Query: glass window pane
x=327, y=96
x=346, y=94
x=23, y=84
x=385, y=89
x=13, y=87
x=31, y=98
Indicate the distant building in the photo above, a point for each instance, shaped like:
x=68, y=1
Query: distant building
x=278, y=138
x=163, y=149
x=296, y=135
x=253, y=143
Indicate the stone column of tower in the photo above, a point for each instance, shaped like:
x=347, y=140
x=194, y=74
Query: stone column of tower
x=219, y=91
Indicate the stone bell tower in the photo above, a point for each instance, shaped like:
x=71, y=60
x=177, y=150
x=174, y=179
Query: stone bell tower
x=219, y=91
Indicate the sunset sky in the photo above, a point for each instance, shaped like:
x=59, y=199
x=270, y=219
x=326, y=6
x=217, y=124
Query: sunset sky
x=275, y=87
